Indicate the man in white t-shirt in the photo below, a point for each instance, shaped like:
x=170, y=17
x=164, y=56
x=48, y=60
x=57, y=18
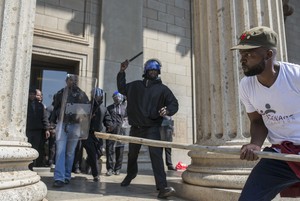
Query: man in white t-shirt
x=270, y=92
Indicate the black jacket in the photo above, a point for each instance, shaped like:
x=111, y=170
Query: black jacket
x=37, y=118
x=117, y=118
x=144, y=99
x=100, y=116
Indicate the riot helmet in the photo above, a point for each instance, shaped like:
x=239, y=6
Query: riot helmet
x=152, y=64
x=98, y=93
x=117, y=97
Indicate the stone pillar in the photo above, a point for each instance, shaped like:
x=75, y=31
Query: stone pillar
x=221, y=119
x=17, y=182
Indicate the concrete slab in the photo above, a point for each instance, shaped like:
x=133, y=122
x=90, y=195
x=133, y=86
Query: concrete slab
x=82, y=187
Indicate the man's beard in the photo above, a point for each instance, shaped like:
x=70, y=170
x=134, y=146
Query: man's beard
x=255, y=70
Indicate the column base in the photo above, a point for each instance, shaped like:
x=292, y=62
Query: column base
x=196, y=193
x=33, y=192
x=17, y=182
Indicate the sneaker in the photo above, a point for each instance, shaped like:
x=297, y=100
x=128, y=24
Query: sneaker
x=58, y=183
x=67, y=181
x=52, y=167
x=117, y=172
x=166, y=192
x=96, y=179
x=77, y=171
x=127, y=180
x=109, y=172
x=171, y=167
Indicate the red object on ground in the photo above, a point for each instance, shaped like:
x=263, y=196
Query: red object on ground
x=181, y=166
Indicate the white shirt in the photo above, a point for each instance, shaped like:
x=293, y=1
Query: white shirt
x=279, y=104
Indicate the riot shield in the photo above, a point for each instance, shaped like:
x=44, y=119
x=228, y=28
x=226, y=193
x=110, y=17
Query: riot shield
x=75, y=108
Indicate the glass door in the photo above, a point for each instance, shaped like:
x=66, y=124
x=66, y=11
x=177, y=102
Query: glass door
x=52, y=81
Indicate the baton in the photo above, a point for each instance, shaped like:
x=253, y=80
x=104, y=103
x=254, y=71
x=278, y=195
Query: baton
x=133, y=58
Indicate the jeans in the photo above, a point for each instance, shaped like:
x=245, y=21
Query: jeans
x=65, y=151
x=112, y=150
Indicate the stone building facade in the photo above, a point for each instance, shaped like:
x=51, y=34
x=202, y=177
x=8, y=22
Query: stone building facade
x=43, y=40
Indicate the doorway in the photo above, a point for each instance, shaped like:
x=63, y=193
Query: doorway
x=48, y=74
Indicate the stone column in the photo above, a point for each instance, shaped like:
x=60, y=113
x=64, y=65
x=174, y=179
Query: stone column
x=17, y=182
x=221, y=119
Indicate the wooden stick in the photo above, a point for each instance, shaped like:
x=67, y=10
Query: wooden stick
x=195, y=147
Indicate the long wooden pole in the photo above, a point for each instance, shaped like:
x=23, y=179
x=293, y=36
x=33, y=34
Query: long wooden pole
x=195, y=147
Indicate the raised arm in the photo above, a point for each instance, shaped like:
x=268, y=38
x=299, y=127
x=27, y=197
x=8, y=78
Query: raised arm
x=121, y=78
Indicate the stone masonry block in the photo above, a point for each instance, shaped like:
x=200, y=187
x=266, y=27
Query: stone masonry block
x=157, y=5
x=176, y=30
x=164, y=17
x=179, y=12
x=58, y=12
x=160, y=26
x=73, y=4
x=155, y=44
x=150, y=13
x=46, y=21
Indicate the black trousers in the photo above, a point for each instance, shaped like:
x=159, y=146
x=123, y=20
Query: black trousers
x=35, y=138
x=78, y=156
x=166, y=134
x=51, y=144
x=168, y=152
x=91, y=145
x=111, y=150
x=268, y=178
x=155, y=155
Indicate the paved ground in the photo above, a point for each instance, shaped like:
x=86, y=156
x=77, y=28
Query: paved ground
x=82, y=187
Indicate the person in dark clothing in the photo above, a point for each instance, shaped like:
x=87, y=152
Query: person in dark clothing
x=93, y=145
x=78, y=158
x=166, y=133
x=117, y=111
x=37, y=128
x=148, y=100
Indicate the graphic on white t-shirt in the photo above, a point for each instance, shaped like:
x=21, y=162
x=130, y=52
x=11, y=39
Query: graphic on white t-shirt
x=270, y=116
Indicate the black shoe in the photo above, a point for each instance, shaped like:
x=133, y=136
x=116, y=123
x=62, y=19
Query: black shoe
x=109, y=172
x=166, y=192
x=96, y=179
x=117, y=172
x=171, y=167
x=67, y=181
x=127, y=180
x=58, y=183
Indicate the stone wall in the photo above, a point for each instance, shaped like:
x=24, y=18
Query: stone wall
x=68, y=29
x=167, y=36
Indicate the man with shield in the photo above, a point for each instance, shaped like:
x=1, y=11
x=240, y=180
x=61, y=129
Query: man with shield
x=71, y=113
